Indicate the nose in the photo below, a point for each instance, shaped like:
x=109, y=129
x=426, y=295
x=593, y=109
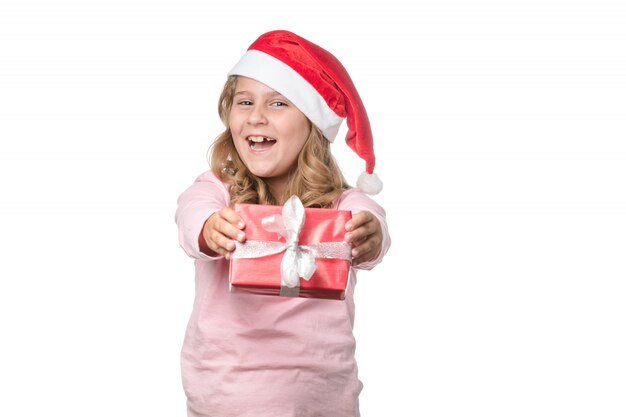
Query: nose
x=257, y=115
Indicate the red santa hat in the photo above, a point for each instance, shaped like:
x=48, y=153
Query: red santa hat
x=315, y=82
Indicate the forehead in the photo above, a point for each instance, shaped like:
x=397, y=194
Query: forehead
x=251, y=86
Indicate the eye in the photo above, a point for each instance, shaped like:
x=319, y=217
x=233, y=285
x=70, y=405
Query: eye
x=279, y=104
x=244, y=103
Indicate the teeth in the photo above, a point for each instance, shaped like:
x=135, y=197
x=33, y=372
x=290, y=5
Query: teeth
x=256, y=138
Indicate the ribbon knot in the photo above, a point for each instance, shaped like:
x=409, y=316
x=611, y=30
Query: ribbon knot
x=296, y=263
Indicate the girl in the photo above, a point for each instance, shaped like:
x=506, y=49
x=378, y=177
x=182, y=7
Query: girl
x=256, y=355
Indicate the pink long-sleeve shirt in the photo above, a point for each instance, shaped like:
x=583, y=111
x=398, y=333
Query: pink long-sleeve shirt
x=258, y=355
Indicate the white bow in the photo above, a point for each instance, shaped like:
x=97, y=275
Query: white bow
x=298, y=261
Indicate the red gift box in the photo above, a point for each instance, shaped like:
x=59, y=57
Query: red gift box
x=322, y=233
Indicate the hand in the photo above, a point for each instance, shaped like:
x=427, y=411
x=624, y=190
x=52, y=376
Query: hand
x=366, y=236
x=219, y=231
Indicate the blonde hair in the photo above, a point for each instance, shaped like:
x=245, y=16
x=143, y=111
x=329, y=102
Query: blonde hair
x=316, y=179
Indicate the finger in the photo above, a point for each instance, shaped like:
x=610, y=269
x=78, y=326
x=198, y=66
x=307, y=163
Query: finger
x=232, y=217
x=371, y=244
x=235, y=220
x=365, y=252
x=359, y=251
x=360, y=233
x=359, y=257
x=358, y=219
x=220, y=244
x=226, y=228
x=225, y=244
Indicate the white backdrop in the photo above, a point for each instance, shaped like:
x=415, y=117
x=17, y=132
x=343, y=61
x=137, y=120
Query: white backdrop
x=501, y=137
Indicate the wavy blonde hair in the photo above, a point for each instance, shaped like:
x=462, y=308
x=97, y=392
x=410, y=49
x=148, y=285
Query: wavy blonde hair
x=316, y=178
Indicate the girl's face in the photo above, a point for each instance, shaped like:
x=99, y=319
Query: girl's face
x=268, y=131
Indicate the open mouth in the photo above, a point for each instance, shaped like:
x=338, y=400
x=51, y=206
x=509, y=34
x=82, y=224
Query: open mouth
x=258, y=143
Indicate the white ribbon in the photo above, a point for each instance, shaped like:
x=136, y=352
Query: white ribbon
x=298, y=260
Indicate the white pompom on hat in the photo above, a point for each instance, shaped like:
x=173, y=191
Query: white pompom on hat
x=315, y=82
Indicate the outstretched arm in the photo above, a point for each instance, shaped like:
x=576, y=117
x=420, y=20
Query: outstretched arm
x=219, y=231
x=365, y=234
x=206, y=196
x=367, y=230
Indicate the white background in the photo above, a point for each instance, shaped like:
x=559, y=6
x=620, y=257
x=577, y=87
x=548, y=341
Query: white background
x=501, y=138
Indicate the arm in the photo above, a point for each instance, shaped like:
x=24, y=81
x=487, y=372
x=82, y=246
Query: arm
x=202, y=199
x=367, y=230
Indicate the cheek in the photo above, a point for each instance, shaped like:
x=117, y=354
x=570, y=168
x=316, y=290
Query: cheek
x=304, y=135
x=239, y=147
x=300, y=132
x=236, y=119
x=232, y=122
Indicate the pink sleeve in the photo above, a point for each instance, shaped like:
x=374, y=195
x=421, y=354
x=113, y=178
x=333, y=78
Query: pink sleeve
x=356, y=201
x=203, y=198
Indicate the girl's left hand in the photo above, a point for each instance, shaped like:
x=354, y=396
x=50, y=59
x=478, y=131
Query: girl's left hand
x=366, y=236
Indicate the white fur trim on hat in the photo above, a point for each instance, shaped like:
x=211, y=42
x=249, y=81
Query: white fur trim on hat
x=281, y=77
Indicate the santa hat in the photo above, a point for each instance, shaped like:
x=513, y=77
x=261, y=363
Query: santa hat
x=315, y=82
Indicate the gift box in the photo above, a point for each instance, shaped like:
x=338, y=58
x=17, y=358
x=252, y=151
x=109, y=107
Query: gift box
x=292, y=251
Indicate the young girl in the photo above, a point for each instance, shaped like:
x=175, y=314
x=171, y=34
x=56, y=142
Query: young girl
x=259, y=355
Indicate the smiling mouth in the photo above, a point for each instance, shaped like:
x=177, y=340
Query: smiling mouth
x=258, y=143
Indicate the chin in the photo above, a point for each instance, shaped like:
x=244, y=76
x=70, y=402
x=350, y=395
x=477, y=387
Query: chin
x=261, y=173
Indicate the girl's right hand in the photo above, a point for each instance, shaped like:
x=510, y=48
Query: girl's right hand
x=219, y=231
